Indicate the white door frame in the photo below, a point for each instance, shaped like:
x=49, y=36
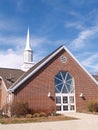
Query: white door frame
x=70, y=105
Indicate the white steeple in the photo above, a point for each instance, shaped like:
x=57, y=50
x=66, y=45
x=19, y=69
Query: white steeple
x=28, y=41
x=28, y=55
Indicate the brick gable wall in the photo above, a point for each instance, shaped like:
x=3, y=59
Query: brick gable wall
x=35, y=90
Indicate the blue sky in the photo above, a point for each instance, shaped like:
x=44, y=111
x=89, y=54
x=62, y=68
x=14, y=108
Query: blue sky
x=52, y=23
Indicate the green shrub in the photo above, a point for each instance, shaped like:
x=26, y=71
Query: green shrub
x=93, y=106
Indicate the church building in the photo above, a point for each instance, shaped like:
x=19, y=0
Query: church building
x=56, y=83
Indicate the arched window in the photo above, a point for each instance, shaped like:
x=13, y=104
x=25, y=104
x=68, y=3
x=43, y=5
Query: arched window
x=64, y=82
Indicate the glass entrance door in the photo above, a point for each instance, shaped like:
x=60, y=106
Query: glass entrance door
x=64, y=92
x=65, y=103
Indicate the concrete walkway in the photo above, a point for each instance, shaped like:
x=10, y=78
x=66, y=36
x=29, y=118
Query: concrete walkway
x=85, y=122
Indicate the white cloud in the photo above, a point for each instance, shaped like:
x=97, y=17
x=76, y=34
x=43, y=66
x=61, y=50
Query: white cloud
x=18, y=42
x=10, y=59
x=13, y=56
x=12, y=40
x=38, y=41
x=76, y=25
x=83, y=36
x=91, y=62
x=8, y=24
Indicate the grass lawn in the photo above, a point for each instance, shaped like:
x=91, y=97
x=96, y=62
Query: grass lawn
x=32, y=120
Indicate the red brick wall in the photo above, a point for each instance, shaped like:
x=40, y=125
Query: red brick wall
x=36, y=89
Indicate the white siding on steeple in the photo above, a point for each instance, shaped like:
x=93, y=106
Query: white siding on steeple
x=28, y=55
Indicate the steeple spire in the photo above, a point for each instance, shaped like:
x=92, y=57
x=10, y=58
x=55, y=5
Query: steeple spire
x=28, y=41
x=28, y=54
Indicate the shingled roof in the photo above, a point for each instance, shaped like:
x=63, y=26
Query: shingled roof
x=10, y=76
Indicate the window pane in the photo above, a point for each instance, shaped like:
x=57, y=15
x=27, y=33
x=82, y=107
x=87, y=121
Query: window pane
x=65, y=108
x=57, y=81
x=72, y=107
x=65, y=99
x=72, y=88
x=59, y=87
x=64, y=90
x=56, y=90
x=71, y=99
x=68, y=76
x=58, y=76
x=58, y=99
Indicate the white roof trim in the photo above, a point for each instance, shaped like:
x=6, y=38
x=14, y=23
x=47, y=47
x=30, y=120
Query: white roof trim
x=49, y=58
x=4, y=83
